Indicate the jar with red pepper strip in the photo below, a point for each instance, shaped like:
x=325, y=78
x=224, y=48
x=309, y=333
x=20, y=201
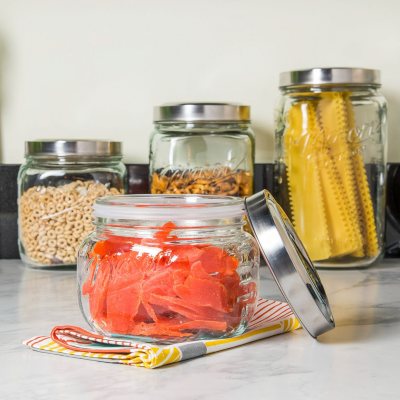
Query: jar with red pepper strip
x=168, y=268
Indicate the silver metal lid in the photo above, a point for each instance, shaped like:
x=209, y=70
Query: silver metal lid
x=330, y=76
x=192, y=112
x=289, y=263
x=88, y=148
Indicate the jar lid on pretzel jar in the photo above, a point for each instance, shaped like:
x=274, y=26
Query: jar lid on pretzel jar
x=192, y=112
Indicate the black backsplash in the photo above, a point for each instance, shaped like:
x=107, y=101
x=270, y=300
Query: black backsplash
x=138, y=183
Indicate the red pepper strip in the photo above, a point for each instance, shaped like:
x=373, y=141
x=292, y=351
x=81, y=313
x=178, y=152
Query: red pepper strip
x=204, y=292
x=98, y=296
x=204, y=325
x=215, y=259
x=187, y=253
x=122, y=307
x=163, y=286
x=198, y=314
x=189, y=311
x=231, y=264
x=125, y=291
x=212, y=258
x=115, y=244
x=197, y=270
x=164, y=232
x=127, y=270
x=233, y=288
x=150, y=310
x=167, y=301
x=87, y=287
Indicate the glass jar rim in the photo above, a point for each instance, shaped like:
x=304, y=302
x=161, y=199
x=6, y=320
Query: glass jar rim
x=160, y=207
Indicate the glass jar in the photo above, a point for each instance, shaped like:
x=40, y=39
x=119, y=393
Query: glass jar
x=168, y=268
x=330, y=163
x=57, y=186
x=202, y=148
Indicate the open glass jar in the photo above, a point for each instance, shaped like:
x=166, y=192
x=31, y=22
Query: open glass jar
x=57, y=186
x=202, y=148
x=168, y=268
x=172, y=268
x=330, y=159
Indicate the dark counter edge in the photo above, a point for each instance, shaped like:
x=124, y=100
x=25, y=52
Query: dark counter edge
x=138, y=183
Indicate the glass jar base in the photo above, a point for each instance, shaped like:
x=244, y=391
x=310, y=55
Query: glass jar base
x=200, y=335
x=347, y=263
x=36, y=265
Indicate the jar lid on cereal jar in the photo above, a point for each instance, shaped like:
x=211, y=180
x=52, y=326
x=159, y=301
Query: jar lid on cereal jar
x=195, y=112
x=81, y=147
x=289, y=263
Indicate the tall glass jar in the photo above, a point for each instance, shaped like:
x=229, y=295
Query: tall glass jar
x=330, y=162
x=202, y=148
x=57, y=186
x=168, y=268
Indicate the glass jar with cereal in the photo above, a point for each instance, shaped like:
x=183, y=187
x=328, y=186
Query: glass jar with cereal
x=57, y=186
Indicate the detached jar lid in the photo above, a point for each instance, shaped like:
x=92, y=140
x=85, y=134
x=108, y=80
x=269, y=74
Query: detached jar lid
x=193, y=112
x=60, y=148
x=330, y=76
x=289, y=263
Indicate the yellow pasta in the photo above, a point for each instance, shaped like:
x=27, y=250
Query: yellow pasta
x=330, y=199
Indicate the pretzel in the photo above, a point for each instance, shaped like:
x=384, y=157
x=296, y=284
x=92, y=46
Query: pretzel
x=217, y=181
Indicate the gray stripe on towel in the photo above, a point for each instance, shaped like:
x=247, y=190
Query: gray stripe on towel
x=192, y=350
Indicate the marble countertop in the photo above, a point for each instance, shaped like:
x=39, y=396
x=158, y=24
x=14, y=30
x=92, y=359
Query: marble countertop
x=357, y=360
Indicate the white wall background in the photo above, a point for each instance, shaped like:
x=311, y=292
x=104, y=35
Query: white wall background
x=95, y=68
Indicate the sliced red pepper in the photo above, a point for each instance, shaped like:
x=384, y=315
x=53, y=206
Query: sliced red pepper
x=115, y=244
x=204, y=292
x=212, y=259
x=87, y=287
x=164, y=232
x=122, y=307
x=163, y=292
x=204, y=325
x=98, y=296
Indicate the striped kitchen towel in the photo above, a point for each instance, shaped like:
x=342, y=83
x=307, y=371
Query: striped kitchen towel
x=271, y=318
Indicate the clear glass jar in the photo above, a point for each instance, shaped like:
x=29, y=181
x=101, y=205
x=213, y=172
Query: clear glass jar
x=168, y=268
x=57, y=186
x=202, y=148
x=330, y=163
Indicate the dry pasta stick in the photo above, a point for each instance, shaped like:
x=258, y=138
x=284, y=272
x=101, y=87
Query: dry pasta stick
x=365, y=209
x=306, y=197
x=324, y=130
x=333, y=117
